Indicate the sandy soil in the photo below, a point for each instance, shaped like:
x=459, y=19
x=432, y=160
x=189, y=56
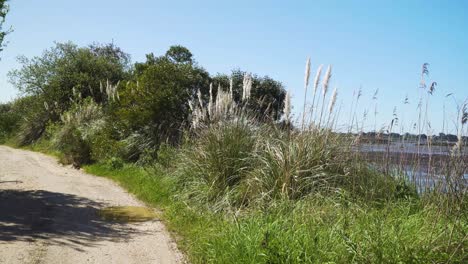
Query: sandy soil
x=48, y=214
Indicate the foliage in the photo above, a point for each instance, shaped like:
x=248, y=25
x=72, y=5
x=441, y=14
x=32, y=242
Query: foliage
x=238, y=163
x=9, y=121
x=66, y=70
x=179, y=54
x=3, y=12
x=80, y=124
x=34, y=119
x=115, y=163
x=236, y=184
x=147, y=105
x=332, y=228
x=219, y=161
x=154, y=107
x=267, y=94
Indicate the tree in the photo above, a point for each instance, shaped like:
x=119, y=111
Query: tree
x=67, y=68
x=3, y=12
x=64, y=74
x=267, y=97
x=155, y=103
x=179, y=54
x=174, y=55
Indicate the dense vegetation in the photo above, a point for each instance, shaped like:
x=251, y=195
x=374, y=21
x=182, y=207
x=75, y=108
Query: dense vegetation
x=3, y=13
x=239, y=182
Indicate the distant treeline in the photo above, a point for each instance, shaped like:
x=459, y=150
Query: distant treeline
x=375, y=137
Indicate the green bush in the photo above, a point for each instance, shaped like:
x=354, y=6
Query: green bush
x=80, y=125
x=115, y=163
x=31, y=118
x=105, y=145
x=9, y=121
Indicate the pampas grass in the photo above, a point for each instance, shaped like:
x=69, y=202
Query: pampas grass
x=331, y=104
x=210, y=103
x=246, y=87
x=316, y=86
x=325, y=84
x=287, y=108
x=306, y=84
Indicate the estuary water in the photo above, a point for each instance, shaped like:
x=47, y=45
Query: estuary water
x=426, y=166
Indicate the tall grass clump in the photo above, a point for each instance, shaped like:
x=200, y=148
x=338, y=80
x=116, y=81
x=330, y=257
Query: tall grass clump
x=217, y=164
x=74, y=138
x=234, y=160
x=315, y=162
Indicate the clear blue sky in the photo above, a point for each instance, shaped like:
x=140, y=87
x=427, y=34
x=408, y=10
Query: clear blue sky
x=373, y=44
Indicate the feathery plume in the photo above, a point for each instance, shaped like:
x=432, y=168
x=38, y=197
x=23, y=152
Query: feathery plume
x=247, y=87
x=325, y=83
x=326, y=80
x=287, y=107
x=464, y=114
x=306, y=84
x=432, y=88
x=375, y=94
x=424, y=71
x=200, y=100
x=231, y=88
x=332, y=103
x=190, y=104
x=307, y=73
x=316, y=85
x=219, y=102
x=210, y=103
x=317, y=77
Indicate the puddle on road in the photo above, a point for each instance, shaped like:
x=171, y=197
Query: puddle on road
x=127, y=214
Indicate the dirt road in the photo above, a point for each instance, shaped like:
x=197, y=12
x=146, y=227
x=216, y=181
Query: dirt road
x=49, y=214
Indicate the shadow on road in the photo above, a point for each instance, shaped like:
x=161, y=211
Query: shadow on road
x=57, y=218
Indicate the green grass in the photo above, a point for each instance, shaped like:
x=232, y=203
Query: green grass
x=228, y=200
x=190, y=227
x=237, y=192
x=318, y=229
x=328, y=227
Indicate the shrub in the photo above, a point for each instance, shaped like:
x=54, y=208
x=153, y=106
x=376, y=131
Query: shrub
x=31, y=118
x=9, y=121
x=115, y=163
x=218, y=161
x=80, y=124
x=105, y=145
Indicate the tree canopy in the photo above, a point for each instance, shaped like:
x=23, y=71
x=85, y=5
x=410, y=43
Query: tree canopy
x=67, y=68
x=149, y=98
x=157, y=98
x=3, y=13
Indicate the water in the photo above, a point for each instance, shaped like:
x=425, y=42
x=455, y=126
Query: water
x=405, y=156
